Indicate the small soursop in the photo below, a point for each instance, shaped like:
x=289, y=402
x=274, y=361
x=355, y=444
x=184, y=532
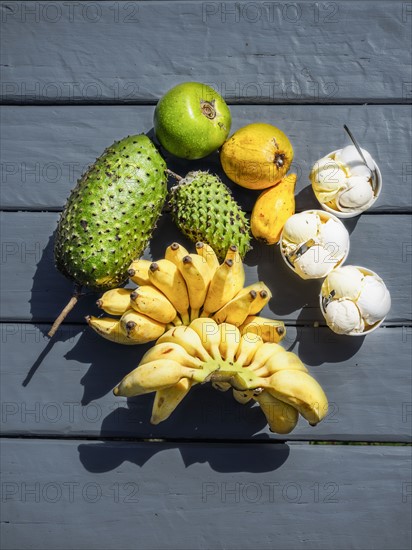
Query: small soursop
x=111, y=213
x=204, y=210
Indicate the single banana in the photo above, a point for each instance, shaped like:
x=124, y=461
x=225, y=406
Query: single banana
x=141, y=328
x=236, y=311
x=263, y=296
x=197, y=275
x=209, y=334
x=300, y=390
x=165, y=276
x=169, y=350
x=111, y=329
x=270, y=330
x=281, y=417
x=151, y=377
x=229, y=341
x=139, y=271
x=233, y=254
x=187, y=338
x=242, y=397
x=263, y=354
x=175, y=253
x=115, y=301
x=150, y=301
x=207, y=252
x=224, y=286
x=237, y=271
x=281, y=361
x=248, y=346
x=166, y=400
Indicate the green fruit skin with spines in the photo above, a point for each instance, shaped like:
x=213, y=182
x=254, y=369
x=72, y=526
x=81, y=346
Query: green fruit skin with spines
x=111, y=213
x=204, y=210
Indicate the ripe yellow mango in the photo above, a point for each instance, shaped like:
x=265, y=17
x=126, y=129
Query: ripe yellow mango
x=271, y=210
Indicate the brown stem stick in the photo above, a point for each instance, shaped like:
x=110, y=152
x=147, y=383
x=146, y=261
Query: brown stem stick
x=174, y=175
x=66, y=310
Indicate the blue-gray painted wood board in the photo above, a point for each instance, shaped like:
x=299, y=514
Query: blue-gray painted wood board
x=259, y=52
x=45, y=150
x=61, y=495
x=83, y=469
x=33, y=290
x=66, y=389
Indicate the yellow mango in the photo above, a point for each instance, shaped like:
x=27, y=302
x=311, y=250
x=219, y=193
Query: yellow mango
x=271, y=210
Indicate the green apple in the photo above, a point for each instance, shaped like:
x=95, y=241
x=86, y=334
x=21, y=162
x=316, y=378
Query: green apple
x=192, y=120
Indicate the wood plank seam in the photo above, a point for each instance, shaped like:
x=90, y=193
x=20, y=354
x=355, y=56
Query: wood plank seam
x=201, y=441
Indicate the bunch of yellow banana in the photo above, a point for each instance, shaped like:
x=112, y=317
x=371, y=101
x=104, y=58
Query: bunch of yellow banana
x=182, y=287
x=206, y=351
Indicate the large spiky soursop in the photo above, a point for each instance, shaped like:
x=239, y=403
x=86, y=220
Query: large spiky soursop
x=111, y=213
x=204, y=210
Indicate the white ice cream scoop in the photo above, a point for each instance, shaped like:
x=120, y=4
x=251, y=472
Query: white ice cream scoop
x=350, y=158
x=343, y=317
x=350, y=292
x=313, y=243
x=343, y=282
x=374, y=300
x=315, y=263
x=334, y=237
x=328, y=175
x=299, y=228
x=344, y=183
x=360, y=170
x=357, y=195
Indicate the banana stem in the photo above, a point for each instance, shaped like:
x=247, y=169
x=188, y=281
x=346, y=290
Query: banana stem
x=185, y=318
x=177, y=322
x=194, y=314
x=65, y=311
x=174, y=175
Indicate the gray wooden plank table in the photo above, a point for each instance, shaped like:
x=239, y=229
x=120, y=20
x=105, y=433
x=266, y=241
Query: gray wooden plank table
x=81, y=469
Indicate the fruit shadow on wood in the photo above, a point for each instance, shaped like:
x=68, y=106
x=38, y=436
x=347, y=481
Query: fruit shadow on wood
x=106, y=456
x=318, y=344
x=290, y=293
x=50, y=292
x=107, y=363
x=306, y=200
x=204, y=412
